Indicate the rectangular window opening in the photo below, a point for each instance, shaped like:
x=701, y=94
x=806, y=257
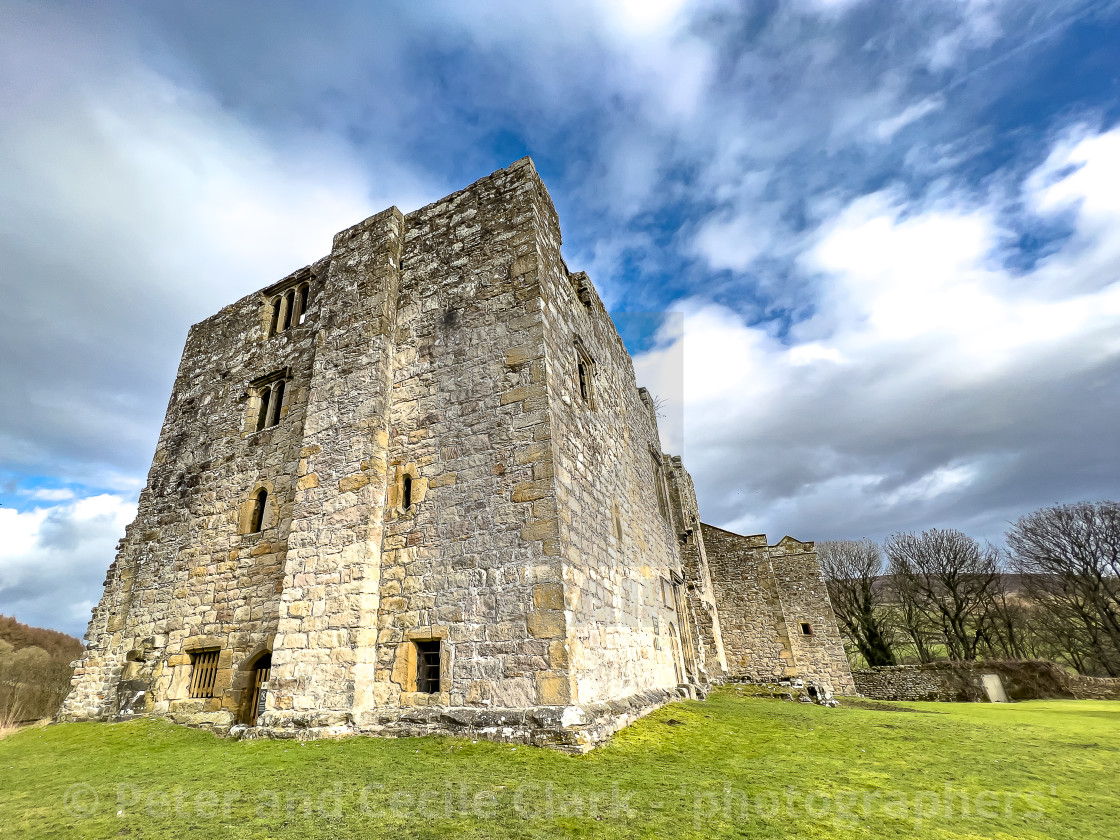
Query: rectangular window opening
x=806, y=629
x=427, y=667
x=204, y=673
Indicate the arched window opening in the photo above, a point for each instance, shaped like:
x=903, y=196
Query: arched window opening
x=256, y=519
x=277, y=402
x=275, y=317
x=406, y=493
x=262, y=416
x=290, y=300
x=303, y=292
x=585, y=373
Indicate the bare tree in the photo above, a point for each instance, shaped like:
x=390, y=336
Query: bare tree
x=948, y=579
x=1009, y=618
x=909, y=615
x=851, y=569
x=1069, y=556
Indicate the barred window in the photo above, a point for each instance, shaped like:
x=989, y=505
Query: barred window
x=204, y=673
x=427, y=666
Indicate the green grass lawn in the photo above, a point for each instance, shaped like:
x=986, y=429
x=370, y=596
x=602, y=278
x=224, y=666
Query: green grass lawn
x=732, y=766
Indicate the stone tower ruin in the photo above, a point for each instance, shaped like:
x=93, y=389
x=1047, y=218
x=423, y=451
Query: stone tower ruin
x=414, y=487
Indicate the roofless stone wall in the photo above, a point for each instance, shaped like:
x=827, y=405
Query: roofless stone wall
x=775, y=615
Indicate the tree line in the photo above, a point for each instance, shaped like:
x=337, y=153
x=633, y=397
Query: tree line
x=1053, y=593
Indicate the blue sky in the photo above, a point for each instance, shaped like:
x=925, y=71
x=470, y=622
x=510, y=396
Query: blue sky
x=891, y=232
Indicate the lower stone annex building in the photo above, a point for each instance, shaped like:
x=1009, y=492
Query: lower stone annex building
x=414, y=487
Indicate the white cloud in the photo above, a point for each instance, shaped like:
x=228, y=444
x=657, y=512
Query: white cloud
x=140, y=206
x=886, y=129
x=50, y=494
x=53, y=559
x=932, y=383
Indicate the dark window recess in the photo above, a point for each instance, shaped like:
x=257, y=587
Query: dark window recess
x=584, y=382
x=427, y=667
x=302, y=302
x=806, y=629
x=275, y=323
x=406, y=493
x=277, y=402
x=204, y=673
x=290, y=309
x=262, y=417
x=659, y=487
x=256, y=521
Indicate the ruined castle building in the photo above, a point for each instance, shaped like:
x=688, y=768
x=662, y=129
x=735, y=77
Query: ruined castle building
x=775, y=615
x=414, y=487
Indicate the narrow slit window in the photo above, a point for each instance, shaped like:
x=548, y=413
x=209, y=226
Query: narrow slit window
x=585, y=372
x=256, y=518
x=659, y=487
x=406, y=492
x=427, y=667
x=303, y=292
x=275, y=323
x=262, y=416
x=204, y=673
x=277, y=402
x=289, y=310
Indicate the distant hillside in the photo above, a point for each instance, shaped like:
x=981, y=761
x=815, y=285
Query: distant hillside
x=58, y=645
x=34, y=671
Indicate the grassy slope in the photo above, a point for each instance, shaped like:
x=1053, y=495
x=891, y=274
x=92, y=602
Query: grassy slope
x=1067, y=753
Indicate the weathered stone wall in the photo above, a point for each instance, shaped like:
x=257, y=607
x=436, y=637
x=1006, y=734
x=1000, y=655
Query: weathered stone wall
x=699, y=594
x=1095, y=688
x=961, y=682
x=902, y=682
x=184, y=576
x=618, y=550
x=323, y=660
x=755, y=640
x=814, y=638
x=475, y=561
x=774, y=610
